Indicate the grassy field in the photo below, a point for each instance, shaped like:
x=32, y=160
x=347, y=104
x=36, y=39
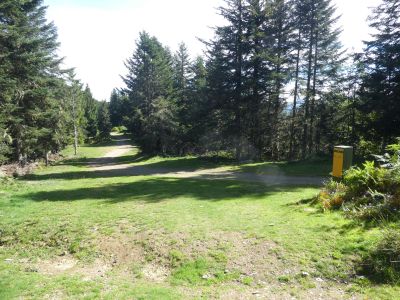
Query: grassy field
x=318, y=167
x=149, y=237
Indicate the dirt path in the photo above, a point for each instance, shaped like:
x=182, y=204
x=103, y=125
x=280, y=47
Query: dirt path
x=108, y=163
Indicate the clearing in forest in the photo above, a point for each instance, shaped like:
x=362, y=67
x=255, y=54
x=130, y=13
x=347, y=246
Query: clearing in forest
x=116, y=224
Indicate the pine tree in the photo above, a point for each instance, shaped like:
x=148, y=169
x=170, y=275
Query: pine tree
x=76, y=111
x=90, y=106
x=28, y=44
x=182, y=77
x=182, y=73
x=118, y=108
x=277, y=44
x=199, y=110
x=149, y=84
x=319, y=56
x=259, y=72
x=228, y=49
x=218, y=135
x=380, y=91
x=103, y=121
x=252, y=51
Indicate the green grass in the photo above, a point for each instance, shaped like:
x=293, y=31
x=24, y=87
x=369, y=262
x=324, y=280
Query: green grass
x=319, y=167
x=197, y=230
x=88, y=151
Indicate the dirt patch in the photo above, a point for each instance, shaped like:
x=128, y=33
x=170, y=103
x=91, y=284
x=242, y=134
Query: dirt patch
x=285, y=292
x=146, y=255
x=152, y=249
x=155, y=273
x=256, y=258
x=57, y=266
x=17, y=170
x=71, y=266
x=121, y=250
x=119, y=151
x=259, y=259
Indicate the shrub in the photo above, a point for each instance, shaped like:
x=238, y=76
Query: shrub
x=359, y=180
x=333, y=195
x=367, y=148
x=383, y=263
x=368, y=192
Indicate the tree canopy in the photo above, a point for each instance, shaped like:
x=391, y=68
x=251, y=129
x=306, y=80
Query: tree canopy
x=42, y=107
x=274, y=83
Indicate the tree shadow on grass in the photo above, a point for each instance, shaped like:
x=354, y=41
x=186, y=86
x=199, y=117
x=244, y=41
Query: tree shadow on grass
x=160, y=189
x=105, y=161
x=149, y=170
x=120, y=171
x=174, y=164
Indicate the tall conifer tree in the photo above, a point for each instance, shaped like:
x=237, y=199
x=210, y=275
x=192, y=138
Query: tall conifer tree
x=380, y=91
x=28, y=45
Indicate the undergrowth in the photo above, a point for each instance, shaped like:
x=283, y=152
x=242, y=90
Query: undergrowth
x=383, y=263
x=371, y=193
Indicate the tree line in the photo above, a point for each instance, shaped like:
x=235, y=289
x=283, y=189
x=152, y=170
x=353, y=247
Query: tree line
x=274, y=83
x=43, y=108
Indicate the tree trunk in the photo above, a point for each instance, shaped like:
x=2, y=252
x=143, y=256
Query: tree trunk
x=296, y=90
x=256, y=132
x=74, y=115
x=308, y=91
x=238, y=87
x=278, y=85
x=75, y=140
x=47, y=158
x=314, y=93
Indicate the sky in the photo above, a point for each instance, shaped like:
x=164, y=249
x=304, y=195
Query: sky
x=97, y=36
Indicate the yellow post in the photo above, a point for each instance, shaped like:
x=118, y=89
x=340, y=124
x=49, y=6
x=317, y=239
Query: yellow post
x=342, y=160
x=338, y=159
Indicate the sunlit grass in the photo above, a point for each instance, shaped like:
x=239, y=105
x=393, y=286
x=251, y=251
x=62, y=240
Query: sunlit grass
x=45, y=218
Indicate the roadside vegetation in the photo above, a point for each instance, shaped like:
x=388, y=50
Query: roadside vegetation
x=371, y=194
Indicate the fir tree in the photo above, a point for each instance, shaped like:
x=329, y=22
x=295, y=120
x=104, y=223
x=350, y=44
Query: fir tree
x=149, y=84
x=182, y=76
x=320, y=57
x=229, y=50
x=28, y=44
x=103, y=121
x=380, y=91
x=118, y=108
x=90, y=106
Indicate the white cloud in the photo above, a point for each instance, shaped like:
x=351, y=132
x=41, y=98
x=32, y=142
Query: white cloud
x=97, y=39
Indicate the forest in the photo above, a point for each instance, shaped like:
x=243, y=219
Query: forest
x=274, y=83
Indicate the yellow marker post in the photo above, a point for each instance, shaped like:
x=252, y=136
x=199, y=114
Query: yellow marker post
x=342, y=160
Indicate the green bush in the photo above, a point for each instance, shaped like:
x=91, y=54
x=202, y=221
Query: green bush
x=359, y=180
x=332, y=195
x=383, y=263
x=369, y=192
x=367, y=148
